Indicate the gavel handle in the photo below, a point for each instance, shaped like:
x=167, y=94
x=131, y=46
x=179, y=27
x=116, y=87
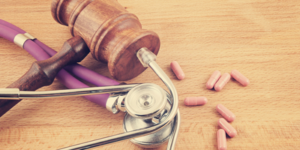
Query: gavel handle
x=43, y=72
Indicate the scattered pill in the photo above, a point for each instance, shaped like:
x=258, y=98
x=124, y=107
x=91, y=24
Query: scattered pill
x=240, y=77
x=221, y=140
x=227, y=127
x=213, y=79
x=177, y=70
x=194, y=101
x=226, y=113
x=222, y=81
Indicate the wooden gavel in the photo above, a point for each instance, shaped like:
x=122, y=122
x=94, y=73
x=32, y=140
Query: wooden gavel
x=112, y=34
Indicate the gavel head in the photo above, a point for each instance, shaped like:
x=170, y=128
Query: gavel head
x=112, y=34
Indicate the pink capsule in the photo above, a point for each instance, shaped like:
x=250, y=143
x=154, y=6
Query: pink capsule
x=222, y=81
x=226, y=113
x=213, y=79
x=227, y=127
x=221, y=140
x=240, y=77
x=194, y=101
x=177, y=70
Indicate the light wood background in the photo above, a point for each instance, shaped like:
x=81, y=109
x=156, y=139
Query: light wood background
x=260, y=38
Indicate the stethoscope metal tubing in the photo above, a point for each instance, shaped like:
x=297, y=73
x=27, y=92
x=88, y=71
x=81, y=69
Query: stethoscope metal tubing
x=129, y=135
x=68, y=92
x=173, y=137
x=161, y=74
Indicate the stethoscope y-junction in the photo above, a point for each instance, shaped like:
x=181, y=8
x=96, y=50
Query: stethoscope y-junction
x=152, y=115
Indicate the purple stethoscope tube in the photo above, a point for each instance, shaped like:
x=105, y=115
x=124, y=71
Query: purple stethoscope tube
x=40, y=51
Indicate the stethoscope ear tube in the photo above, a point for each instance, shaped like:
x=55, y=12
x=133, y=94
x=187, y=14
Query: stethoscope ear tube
x=174, y=114
x=16, y=94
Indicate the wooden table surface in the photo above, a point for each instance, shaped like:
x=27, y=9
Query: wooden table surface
x=261, y=39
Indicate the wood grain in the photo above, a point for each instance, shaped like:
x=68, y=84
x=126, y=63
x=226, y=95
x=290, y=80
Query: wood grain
x=258, y=38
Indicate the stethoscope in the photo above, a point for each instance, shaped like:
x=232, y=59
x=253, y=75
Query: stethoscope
x=152, y=116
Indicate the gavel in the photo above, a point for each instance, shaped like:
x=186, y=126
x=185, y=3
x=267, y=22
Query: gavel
x=112, y=34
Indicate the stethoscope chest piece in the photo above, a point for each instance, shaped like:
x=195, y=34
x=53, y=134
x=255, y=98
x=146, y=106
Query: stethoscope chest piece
x=145, y=101
x=147, y=105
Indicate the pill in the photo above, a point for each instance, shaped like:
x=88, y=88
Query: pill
x=213, y=79
x=177, y=70
x=194, y=101
x=226, y=113
x=221, y=139
x=240, y=77
x=227, y=127
x=222, y=81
